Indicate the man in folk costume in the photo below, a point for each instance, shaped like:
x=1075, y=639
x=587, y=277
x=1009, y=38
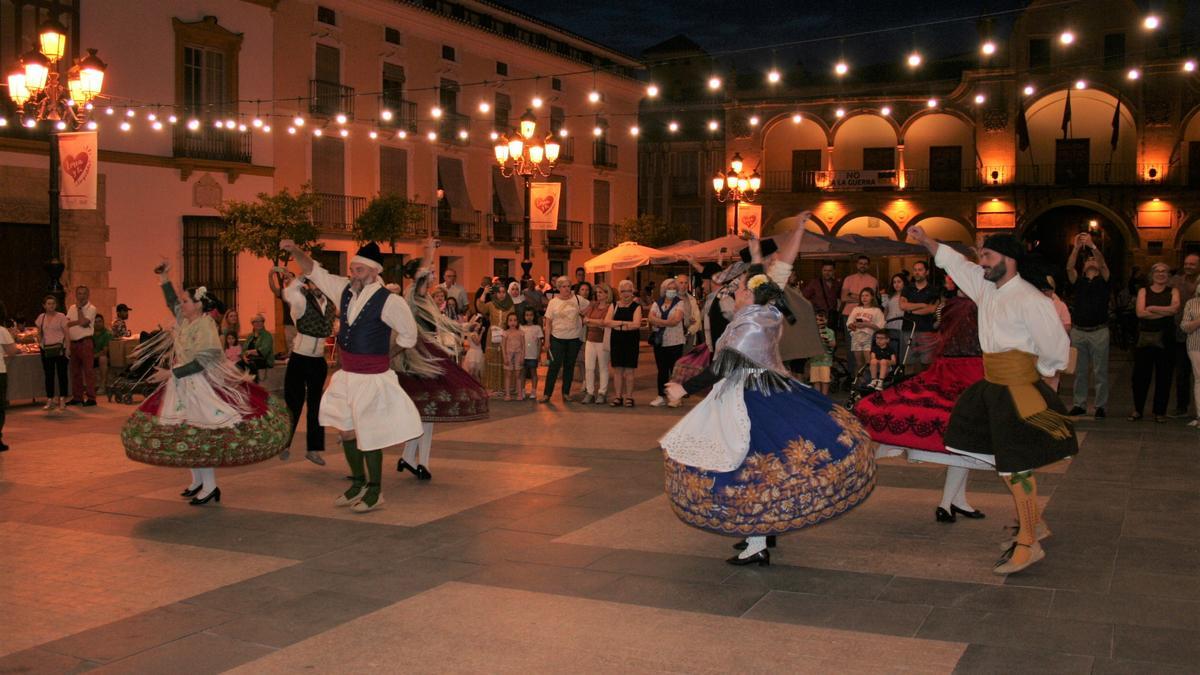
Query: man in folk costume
x=1010, y=419
x=313, y=315
x=364, y=401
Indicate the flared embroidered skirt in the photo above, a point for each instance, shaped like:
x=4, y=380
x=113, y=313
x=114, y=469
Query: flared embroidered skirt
x=916, y=412
x=985, y=424
x=453, y=396
x=174, y=426
x=808, y=461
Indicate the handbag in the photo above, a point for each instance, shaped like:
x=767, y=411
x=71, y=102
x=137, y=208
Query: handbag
x=497, y=334
x=1150, y=338
x=656, y=335
x=50, y=351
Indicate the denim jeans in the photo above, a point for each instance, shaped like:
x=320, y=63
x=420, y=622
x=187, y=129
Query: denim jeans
x=1092, y=363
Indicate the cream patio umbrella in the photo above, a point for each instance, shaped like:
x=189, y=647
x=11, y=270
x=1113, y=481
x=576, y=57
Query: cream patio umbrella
x=628, y=255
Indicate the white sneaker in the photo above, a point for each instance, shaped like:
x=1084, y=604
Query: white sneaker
x=1194, y=423
x=658, y=402
x=62, y=404
x=49, y=405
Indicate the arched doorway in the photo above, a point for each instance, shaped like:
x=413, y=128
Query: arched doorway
x=1052, y=234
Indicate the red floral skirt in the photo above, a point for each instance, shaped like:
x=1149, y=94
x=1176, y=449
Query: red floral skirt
x=453, y=396
x=916, y=412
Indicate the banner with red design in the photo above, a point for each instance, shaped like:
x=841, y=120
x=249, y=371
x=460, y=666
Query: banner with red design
x=78, y=168
x=543, y=210
x=750, y=218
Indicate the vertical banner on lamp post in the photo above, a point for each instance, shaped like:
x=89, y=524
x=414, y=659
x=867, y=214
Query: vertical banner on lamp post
x=543, y=205
x=750, y=218
x=78, y=167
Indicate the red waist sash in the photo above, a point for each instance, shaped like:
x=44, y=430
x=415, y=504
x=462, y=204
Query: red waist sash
x=366, y=364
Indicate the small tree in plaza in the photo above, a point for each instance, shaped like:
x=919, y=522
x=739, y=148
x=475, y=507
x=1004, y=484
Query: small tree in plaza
x=650, y=230
x=388, y=218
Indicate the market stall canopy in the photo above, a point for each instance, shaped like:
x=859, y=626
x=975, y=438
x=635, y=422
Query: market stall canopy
x=628, y=255
x=678, y=245
x=731, y=244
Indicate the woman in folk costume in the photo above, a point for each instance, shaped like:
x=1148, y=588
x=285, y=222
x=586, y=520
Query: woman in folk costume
x=1010, y=419
x=497, y=306
x=364, y=401
x=205, y=413
x=912, y=416
x=763, y=454
x=428, y=373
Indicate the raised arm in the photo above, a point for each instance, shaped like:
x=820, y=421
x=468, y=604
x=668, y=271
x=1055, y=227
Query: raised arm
x=1072, y=275
x=1100, y=261
x=791, y=245
x=167, y=288
x=331, y=285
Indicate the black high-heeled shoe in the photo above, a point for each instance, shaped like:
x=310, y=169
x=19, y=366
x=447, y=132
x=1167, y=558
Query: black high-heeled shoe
x=944, y=516
x=215, y=495
x=422, y=472
x=762, y=559
x=975, y=515
x=191, y=492
x=741, y=545
x=403, y=466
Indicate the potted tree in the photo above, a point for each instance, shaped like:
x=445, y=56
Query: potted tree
x=388, y=218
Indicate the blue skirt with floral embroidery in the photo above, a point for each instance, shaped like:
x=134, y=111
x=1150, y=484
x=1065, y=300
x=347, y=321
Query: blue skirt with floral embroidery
x=809, y=460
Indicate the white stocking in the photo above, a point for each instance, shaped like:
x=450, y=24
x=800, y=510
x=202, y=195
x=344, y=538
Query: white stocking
x=753, y=545
x=956, y=485
x=197, y=479
x=209, y=476
x=426, y=441
x=410, y=452
x=960, y=499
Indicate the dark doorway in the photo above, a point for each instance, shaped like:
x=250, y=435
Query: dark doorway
x=805, y=165
x=24, y=248
x=1052, y=235
x=1194, y=164
x=1071, y=158
x=945, y=168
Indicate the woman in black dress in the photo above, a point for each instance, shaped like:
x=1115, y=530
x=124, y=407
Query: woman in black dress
x=1154, y=357
x=625, y=320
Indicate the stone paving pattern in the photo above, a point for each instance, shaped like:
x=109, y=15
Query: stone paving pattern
x=544, y=544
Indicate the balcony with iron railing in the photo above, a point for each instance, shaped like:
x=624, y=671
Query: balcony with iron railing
x=604, y=155
x=566, y=149
x=603, y=237
x=1050, y=175
x=336, y=213
x=503, y=231
x=446, y=226
x=403, y=114
x=568, y=235
x=207, y=142
x=451, y=128
x=327, y=99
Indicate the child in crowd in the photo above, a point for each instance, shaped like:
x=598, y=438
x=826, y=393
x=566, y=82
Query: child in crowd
x=820, y=367
x=513, y=349
x=233, y=348
x=883, y=359
x=864, y=321
x=100, y=341
x=473, y=361
x=534, y=337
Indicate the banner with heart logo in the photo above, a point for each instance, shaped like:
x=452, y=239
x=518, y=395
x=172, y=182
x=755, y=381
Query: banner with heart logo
x=543, y=200
x=750, y=218
x=78, y=168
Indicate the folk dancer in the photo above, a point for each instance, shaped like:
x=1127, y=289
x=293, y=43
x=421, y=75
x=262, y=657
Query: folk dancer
x=1010, y=419
x=313, y=315
x=364, y=401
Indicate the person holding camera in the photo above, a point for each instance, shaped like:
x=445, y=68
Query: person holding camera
x=1089, y=324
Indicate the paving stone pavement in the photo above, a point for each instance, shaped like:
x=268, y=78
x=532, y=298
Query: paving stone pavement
x=544, y=543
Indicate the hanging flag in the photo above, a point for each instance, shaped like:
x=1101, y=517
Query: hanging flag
x=543, y=201
x=1116, y=123
x=77, y=168
x=1022, y=128
x=1066, y=123
x=749, y=218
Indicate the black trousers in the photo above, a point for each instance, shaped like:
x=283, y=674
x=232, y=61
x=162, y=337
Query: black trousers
x=563, y=354
x=303, y=382
x=1155, y=363
x=665, y=358
x=3, y=400
x=54, y=369
x=1183, y=378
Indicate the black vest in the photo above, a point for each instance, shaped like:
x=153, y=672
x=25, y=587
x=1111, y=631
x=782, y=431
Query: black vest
x=368, y=334
x=315, y=323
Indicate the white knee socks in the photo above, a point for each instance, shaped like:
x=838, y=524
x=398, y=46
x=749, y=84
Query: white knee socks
x=753, y=545
x=955, y=489
x=421, y=445
x=209, y=477
x=197, y=479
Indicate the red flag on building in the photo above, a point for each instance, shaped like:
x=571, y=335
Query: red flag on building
x=1022, y=128
x=1116, y=123
x=1066, y=123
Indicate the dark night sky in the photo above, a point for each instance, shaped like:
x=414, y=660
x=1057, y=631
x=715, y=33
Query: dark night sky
x=721, y=26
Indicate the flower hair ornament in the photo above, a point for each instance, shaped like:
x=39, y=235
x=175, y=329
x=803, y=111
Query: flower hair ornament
x=201, y=292
x=756, y=281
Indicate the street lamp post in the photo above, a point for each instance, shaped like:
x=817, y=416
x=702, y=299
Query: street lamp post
x=35, y=87
x=522, y=154
x=734, y=185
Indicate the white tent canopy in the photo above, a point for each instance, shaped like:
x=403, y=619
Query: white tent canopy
x=628, y=255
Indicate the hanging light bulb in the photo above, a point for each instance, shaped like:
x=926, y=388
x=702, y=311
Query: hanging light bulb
x=30, y=123
x=172, y=119
x=1080, y=84
x=979, y=99
x=563, y=132
x=988, y=48
x=385, y=115
x=714, y=83
x=318, y=133
x=432, y=136
x=108, y=110
x=242, y=128
x=152, y=117
x=753, y=120
x=157, y=126
x=1066, y=37
x=931, y=103
x=372, y=134
x=1028, y=90
x=594, y=96
x=634, y=131
x=597, y=132
x=713, y=125
x=125, y=126
x=652, y=90
x=797, y=118
x=193, y=124
x=61, y=125
x=266, y=128
x=537, y=101
x=914, y=60
x=841, y=68
x=484, y=107
x=1151, y=22
x=773, y=76
x=673, y=126
x=840, y=112
x=1133, y=74
x=436, y=112
x=344, y=133
x=885, y=110
x=91, y=125
x=129, y=112
x=3, y=122
x=1189, y=66
x=256, y=123
x=298, y=121
x=402, y=134
x=340, y=118
x=463, y=135
x=291, y=130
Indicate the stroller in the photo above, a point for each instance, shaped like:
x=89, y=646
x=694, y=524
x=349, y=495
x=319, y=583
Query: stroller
x=860, y=380
x=133, y=380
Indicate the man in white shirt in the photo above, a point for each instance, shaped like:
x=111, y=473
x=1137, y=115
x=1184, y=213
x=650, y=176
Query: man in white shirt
x=1010, y=419
x=453, y=289
x=364, y=401
x=80, y=317
x=304, y=378
x=7, y=349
